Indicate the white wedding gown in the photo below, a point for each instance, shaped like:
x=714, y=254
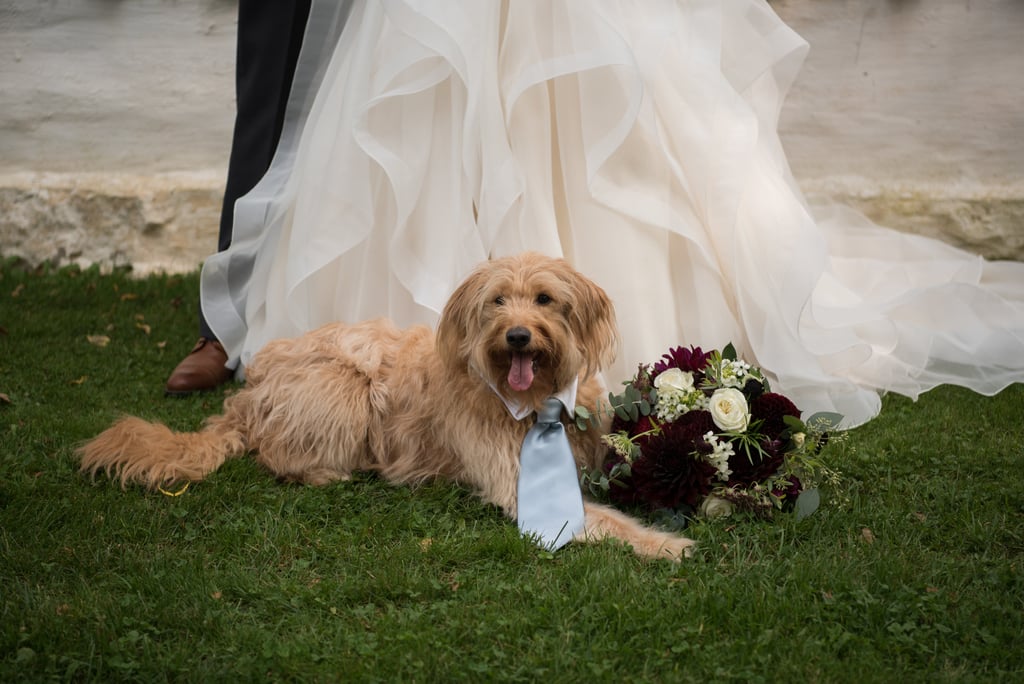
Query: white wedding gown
x=637, y=139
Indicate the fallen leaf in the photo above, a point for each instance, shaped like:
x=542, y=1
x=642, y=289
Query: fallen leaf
x=144, y=327
x=78, y=381
x=98, y=340
x=4, y=399
x=129, y=295
x=172, y=494
x=867, y=535
x=17, y=291
x=161, y=344
x=216, y=595
x=425, y=543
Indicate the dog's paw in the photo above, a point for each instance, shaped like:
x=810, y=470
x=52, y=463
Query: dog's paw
x=676, y=548
x=604, y=522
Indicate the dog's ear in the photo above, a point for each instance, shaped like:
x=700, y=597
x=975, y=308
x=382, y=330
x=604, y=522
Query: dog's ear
x=461, y=313
x=593, y=316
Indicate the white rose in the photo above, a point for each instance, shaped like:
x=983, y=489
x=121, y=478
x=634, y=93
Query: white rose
x=729, y=409
x=675, y=378
x=715, y=507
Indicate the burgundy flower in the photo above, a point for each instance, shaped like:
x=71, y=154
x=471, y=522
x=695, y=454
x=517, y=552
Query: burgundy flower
x=770, y=409
x=754, y=388
x=643, y=424
x=692, y=359
x=753, y=467
x=670, y=474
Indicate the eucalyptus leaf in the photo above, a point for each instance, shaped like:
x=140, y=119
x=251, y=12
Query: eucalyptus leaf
x=673, y=520
x=807, y=503
x=794, y=423
x=825, y=420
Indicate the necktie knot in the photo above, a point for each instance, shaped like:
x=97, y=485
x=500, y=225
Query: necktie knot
x=550, y=411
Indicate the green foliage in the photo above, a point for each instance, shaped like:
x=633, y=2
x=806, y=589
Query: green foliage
x=807, y=502
x=916, y=576
x=630, y=404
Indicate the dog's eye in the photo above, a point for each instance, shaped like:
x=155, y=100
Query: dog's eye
x=543, y=299
x=499, y=301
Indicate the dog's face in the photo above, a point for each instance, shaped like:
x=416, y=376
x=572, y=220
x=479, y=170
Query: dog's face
x=529, y=324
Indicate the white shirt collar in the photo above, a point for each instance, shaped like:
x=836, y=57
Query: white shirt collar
x=520, y=410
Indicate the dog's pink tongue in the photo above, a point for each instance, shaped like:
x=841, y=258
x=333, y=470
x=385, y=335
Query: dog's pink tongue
x=520, y=375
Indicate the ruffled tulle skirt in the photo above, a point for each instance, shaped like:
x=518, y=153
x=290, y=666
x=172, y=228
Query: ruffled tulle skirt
x=638, y=140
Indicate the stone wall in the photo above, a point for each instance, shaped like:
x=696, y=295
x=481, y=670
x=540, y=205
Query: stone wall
x=116, y=118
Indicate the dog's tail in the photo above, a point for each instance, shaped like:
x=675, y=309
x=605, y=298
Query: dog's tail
x=151, y=454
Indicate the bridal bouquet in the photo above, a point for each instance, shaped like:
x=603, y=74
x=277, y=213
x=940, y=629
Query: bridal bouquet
x=702, y=434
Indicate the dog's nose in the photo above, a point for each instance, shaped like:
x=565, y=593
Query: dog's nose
x=517, y=337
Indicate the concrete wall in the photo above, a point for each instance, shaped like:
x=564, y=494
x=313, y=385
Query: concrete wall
x=114, y=129
x=913, y=112
x=115, y=118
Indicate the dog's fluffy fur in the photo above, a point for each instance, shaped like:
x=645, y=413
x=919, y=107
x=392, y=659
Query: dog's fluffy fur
x=407, y=405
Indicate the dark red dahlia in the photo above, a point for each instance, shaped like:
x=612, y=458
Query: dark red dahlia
x=770, y=408
x=643, y=424
x=670, y=473
x=692, y=359
x=756, y=466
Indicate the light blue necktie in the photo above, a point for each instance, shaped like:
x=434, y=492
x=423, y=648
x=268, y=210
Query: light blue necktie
x=550, y=502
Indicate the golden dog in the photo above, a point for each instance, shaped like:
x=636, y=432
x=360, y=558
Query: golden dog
x=407, y=405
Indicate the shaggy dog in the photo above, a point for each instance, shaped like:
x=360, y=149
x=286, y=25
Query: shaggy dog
x=407, y=405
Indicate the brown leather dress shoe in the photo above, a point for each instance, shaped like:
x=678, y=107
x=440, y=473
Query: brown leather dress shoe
x=202, y=369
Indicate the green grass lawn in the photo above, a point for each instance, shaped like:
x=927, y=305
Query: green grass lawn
x=916, y=577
